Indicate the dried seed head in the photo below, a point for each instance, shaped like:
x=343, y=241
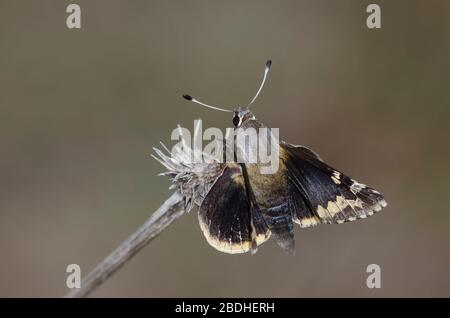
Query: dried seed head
x=192, y=179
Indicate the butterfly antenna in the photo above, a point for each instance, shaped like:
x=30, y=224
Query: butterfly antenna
x=191, y=99
x=266, y=71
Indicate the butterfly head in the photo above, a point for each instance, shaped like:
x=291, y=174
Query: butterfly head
x=241, y=116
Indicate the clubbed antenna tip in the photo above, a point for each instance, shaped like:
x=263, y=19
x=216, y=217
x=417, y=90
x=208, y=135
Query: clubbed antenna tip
x=192, y=99
x=266, y=71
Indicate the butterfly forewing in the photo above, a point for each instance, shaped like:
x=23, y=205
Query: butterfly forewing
x=330, y=195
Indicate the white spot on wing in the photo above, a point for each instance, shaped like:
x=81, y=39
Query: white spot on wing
x=356, y=186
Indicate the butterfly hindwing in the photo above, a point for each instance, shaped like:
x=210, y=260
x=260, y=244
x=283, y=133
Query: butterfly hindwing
x=328, y=195
x=228, y=219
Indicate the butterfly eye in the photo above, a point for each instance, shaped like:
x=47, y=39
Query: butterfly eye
x=236, y=120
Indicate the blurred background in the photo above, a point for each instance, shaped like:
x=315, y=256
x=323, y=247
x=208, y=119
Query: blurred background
x=80, y=111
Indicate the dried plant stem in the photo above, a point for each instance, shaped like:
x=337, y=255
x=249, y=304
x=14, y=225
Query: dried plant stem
x=168, y=212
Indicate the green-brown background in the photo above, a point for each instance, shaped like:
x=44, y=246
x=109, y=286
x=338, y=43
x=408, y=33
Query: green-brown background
x=81, y=110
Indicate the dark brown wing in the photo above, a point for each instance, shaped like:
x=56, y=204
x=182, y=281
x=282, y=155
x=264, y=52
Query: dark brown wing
x=327, y=195
x=230, y=223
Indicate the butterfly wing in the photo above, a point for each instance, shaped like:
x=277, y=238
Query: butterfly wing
x=321, y=194
x=230, y=221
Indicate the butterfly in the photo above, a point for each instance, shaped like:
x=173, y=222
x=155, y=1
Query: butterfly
x=244, y=208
